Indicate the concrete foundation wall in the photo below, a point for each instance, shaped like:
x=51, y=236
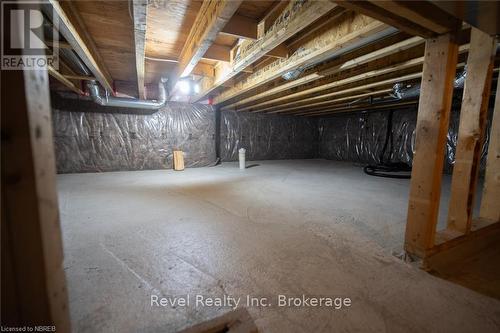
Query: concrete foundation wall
x=112, y=141
x=91, y=138
x=267, y=137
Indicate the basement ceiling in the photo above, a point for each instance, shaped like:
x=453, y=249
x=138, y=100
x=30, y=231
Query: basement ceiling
x=242, y=54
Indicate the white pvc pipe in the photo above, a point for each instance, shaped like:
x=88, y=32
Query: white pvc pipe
x=241, y=158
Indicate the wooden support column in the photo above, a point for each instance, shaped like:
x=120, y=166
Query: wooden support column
x=471, y=130
x=490, y=209
x=33, y=280
x=440, y=63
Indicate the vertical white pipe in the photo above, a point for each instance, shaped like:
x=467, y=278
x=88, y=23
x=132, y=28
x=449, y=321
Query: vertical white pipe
x=241, y=156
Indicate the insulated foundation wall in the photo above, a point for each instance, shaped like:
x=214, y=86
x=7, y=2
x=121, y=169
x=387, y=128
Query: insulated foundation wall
x=112, y=141
x=267, y=137
x=360, y=137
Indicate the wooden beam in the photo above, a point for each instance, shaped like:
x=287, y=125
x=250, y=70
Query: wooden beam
x=471, y=130
x=217, y=52
x=140, y=9
x=212, y=17
x=333, y=81
x=377, y=68
x=357, y=87
x=367, y=8
x=78, y=77
x=59, y=45
x=73, y=29
x=59, y=77
x=296, y=17
x=316, y=106
x=353, y=30
x=241, y=27
x=438, y=76
x=490, y=210
x=349, y=72
x=34, y=289
x=204, y=70
x=271, y=16
x=423, y=13
x=366, y=107
x=387, y=46
x=280, y=52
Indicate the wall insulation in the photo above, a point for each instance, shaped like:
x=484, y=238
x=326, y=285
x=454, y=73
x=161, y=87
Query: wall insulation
x=111, y=141
x=360, y=137
x=96, y=141
x=267, y=137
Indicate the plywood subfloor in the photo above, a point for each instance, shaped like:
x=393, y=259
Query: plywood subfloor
x=310, y=227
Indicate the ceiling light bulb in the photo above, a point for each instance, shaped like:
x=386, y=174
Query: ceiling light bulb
x=184, y=87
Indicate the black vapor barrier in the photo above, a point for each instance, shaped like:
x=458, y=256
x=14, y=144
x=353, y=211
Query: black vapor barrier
x=267, y=137
x=96, y=142
x=360, y=137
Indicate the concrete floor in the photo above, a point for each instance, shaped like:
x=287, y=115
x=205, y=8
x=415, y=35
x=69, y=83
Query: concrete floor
x=312, y=227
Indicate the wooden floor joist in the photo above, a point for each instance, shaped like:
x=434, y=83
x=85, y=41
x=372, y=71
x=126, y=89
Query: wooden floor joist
x=358, y=86
x=375, y=68
x=73, y=29
x=471, y=130
x=296, y=17
x=438, y=76
x=65, y=81
x=211, y=19
x=352, y=31
x=140, y=23
x=334, y=101
x=337, y=67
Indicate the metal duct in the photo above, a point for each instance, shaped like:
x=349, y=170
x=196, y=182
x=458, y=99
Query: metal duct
x=402, y=92
x=128, y=102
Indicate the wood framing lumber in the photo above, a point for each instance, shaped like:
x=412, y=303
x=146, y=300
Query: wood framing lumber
x=471, y=130
x=217, y=52
x=31, y=240
x=211, y=19
x=315, y=106
x=366, y=107
x=241, y=27
x=423, y=13
x=78, y=77
x=358, y=87
x=338, y=66
x=490, y=209
x=71, y=26
x=376, y=68
x=140, y=8
x=370, y=9
x=449, y=238
x=65, y=81
x=271, y=16
x=280, y=85
x=295, y=17
x=441, y=54
x=178, y=158
x=330, y=82
x=352, y=31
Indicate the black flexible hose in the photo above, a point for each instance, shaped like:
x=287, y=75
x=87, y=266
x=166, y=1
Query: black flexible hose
x=388, y=169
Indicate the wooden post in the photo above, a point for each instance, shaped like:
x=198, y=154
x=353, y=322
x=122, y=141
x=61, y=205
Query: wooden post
x=490, y=209
x=440, y=63
x=471, y=130
x=33, y=280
